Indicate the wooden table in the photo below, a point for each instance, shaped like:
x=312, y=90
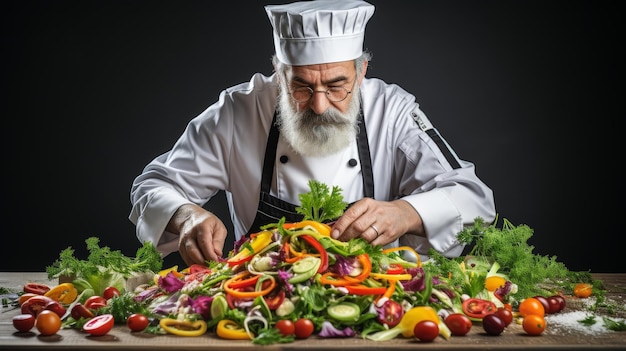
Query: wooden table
x=513, y=338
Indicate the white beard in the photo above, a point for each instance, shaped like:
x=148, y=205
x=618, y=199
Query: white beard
x=310, y=134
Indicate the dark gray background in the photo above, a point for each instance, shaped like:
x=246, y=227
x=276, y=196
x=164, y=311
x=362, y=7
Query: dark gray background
x=93, y=90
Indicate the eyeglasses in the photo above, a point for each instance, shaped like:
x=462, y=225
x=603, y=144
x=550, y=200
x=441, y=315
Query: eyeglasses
x=334, y=94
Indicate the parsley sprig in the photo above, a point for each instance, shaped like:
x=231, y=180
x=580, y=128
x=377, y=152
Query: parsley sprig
x=321, y=204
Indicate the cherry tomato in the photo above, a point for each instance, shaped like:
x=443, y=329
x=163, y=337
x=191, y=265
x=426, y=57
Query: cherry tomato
x=544, y=302
x=56, y=307
x=426, y=330
x=36, y=288
x=554, y=305
x=391, y=313
x=304, y=328
x=25, y=297
x=137, y=322
x=458, y=323
x=99, y=325
x=35, y=304
x=583, y=290
x=505, y=314
x=493, y=324
x=531, y=306
x=478, y=308
x=24, y=322
x=534, y=324
x=562, y=302
x=48, y=322
x=109, y=292
x=286, y=327
x=80, y=311
x=94, y=302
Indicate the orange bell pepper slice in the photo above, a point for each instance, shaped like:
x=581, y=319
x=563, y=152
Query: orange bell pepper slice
x=229, y=289
x=64, y=293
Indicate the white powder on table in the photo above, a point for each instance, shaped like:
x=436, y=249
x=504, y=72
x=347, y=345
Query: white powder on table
x=569, y=322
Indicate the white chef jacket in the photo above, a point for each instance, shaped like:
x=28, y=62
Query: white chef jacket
x=223, y=149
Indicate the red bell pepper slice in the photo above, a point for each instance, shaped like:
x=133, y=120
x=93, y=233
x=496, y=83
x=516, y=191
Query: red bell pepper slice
x=395, y=268
x=320, y=249
x=365, y=290
x=36, y=288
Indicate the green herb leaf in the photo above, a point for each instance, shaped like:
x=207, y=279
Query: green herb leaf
x=321, y=204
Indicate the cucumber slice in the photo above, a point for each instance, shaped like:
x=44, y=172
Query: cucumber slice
x=305, y=268
x=219, y=306
x=305, y=264
x=344, y=311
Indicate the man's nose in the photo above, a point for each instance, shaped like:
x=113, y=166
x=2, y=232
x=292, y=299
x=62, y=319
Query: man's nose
x=319, y=102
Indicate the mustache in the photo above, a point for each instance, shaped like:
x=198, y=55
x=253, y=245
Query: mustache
x=329, y=117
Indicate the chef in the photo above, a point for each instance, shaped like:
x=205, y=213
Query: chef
x=317, y=117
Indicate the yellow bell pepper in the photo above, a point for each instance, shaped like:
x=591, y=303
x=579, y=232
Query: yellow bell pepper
x=320, y=227
x=64, y=293
x=257, y=243
x=183, y=327
x=408, y=322
x=165, y=272
x=228, y=329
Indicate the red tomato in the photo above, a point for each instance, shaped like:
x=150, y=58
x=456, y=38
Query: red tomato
x=505, y=314
x=56, y=307
x=36, y=288
x=561, y=300
x=35, y=304
x=426, y=330
x=25, y=297
x=94, y=302
x=137, y=322
x=80, y=311
x=110, y=291
x=493, y=324
x=99, y=325
x=48, y=322
x=390, y=313
x=554, y=305
x=286, y=327
x=458, y=323
x=304, y=328
x=24, y=322
x=478, y=308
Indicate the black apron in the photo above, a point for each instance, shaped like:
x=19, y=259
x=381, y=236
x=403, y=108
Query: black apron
x=271, y=209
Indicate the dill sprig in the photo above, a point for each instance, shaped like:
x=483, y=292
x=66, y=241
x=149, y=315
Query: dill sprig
x=534, y=274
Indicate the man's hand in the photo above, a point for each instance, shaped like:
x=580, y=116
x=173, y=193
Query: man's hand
x=201, y=234
x=378, y=222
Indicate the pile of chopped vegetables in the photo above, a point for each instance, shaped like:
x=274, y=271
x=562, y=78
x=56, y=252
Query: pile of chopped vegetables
x=292, y=280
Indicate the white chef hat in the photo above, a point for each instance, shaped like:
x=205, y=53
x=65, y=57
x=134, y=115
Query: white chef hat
x=319, y=31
